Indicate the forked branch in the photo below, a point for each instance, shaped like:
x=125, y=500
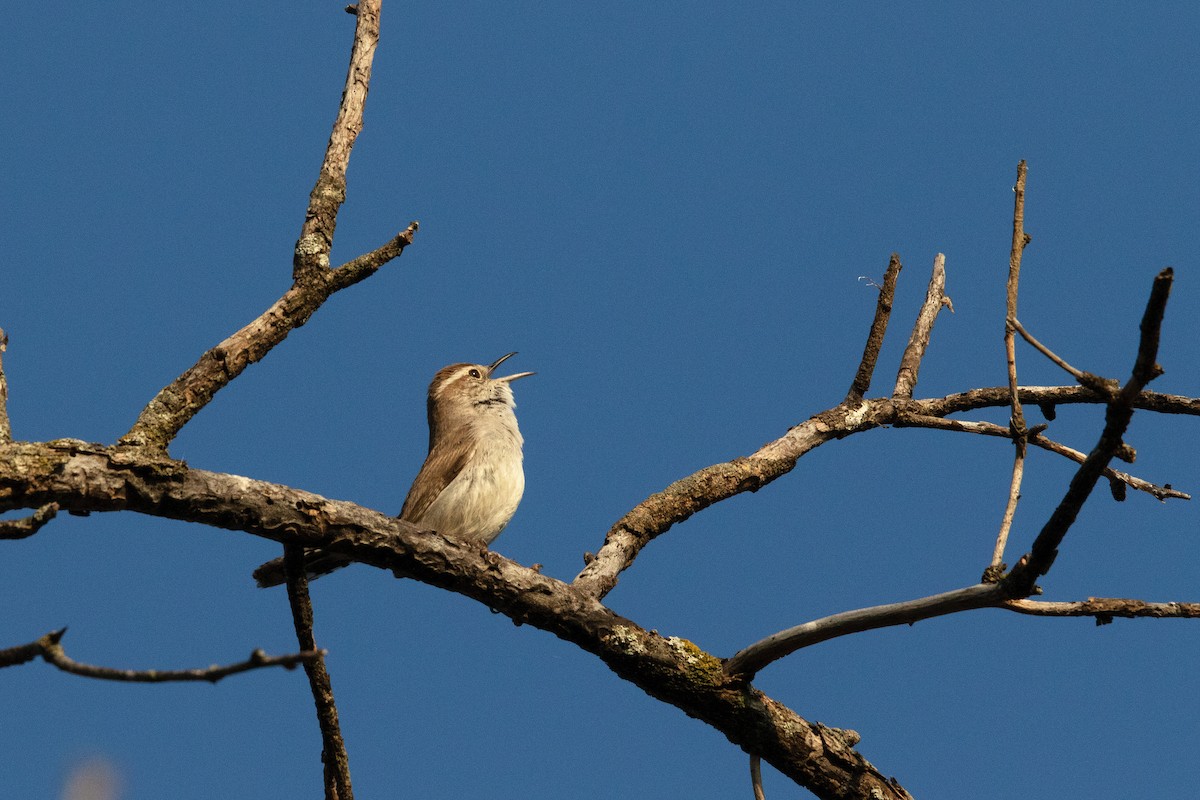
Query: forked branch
x=313, y=281
x=1036, y=438
x=1038, y=561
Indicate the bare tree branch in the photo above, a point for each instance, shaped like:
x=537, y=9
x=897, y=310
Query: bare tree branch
x=5, y=425
x=333, y=747
x=658, y=512
x=1017, y=419
x=1105, y=609
x=184, y=397
x=910, y=362
x=316, y=235
x=883, y=313
x=368, y=264
x=86, y=477
x=313, y=281
x=50, y=649
x=748, y=661
x=683, y=498
x=1037, y=439
x=1049, y=397
x=28, y=526
x=1038, y=561
x=1046, y=351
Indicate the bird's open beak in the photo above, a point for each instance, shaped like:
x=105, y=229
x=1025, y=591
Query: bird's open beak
x=506, y=378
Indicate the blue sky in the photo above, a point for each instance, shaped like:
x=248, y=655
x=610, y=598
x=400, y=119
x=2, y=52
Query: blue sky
x=666, y=209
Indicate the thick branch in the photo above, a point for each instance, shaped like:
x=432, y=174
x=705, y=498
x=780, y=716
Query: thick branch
x=50, y=649
x=85, y=477
x=883, y=313
x=910, y=362
x=1041, y=556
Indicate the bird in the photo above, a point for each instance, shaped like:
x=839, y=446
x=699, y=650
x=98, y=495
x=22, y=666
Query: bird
x=473, y=477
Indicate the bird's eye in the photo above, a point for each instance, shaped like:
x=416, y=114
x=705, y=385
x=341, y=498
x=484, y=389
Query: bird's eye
x=474, y=373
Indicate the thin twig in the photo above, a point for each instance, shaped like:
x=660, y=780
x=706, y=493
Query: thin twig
x=1077, y=374
x=883, y=312
x=1048, y=397
x=28, y=526
x=910, y=362
x=1102, y=386
x=1036, y=438
x=1105, y=609
x=1017, y=418
x=1021, y=581
x=333, y=749
x=748, y=661
x=5, y=426
x=756, y=777
x=368, y=264
x=50, y=649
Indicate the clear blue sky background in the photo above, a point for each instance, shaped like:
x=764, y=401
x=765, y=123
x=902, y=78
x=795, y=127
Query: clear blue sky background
x=666, y=208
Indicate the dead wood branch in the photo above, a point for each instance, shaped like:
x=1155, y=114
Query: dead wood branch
x=313, y=281
x=333, y=746
x=748, y=661
x=1040, y=558
x=1105, y=609
x=28, y=526
x=883, y=313
x=1017, y=419
x=1038, y=439
x=1049, y=397
x=910, y=362
x=683, y=498
x=50, y=649
x=329, y=192
x=5, y=425
x=86, y=477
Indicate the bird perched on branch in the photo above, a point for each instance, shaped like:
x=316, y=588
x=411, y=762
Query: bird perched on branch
x=472, y=479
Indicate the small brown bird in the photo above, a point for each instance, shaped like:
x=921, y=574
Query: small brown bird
x=472, y=479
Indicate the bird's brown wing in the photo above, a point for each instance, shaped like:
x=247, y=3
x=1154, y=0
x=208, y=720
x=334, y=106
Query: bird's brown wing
x=441, y=466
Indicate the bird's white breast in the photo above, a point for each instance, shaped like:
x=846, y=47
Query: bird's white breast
x=483, y=497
